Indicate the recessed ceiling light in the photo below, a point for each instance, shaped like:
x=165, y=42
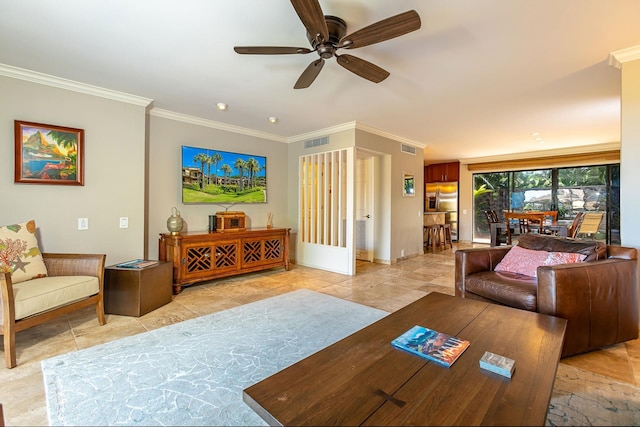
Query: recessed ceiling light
x=273, y=119
x=537, y=137
x=222, y=106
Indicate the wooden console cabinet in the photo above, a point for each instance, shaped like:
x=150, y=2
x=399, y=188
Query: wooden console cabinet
x=201, y=256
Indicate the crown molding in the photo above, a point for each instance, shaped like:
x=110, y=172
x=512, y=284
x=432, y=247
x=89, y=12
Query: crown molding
x=321, y=132
x=617, y=58
x=158, y=112
x=375, y=131
x=48, y=80
x=59, y=82
x=352, y=126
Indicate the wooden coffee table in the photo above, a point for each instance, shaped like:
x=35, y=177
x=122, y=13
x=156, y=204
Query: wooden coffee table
x=363, y=380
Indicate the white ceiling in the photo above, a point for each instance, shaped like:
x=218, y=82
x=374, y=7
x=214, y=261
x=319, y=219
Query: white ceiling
x=478, y=79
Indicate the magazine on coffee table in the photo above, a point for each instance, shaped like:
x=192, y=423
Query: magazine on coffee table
x=433, y=345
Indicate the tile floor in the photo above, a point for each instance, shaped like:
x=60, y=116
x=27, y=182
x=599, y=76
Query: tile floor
x=388, y=287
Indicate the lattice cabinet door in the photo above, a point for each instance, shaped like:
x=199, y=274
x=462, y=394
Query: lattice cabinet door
x=200, y=259
x=262, y=251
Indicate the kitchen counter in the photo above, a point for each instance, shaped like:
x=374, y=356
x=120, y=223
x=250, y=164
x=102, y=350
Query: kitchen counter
x=431, y=218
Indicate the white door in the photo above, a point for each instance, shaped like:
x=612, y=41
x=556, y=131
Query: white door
x=364, y=208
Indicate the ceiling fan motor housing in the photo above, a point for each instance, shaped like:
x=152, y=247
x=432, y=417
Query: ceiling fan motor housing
x=337, y=30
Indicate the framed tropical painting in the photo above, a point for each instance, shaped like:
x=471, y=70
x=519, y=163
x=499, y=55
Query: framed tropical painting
x=48, y=154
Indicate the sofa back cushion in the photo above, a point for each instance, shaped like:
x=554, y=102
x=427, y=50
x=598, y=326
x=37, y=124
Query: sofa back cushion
x=591, y=249
x=19, y=252
x=526, y=261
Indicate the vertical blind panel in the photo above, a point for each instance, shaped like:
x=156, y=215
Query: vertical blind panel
x=302, y=206
x=335, y=217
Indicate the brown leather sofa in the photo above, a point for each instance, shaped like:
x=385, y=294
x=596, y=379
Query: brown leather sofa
x=598, y=297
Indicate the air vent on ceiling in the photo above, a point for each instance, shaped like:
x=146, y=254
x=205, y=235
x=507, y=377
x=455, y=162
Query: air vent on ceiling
x=315, y=142
x=409, y=149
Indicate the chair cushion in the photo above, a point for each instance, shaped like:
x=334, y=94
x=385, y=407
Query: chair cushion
x=19, y=252
x=510, y=289
x=38, y=295
x=526, y=261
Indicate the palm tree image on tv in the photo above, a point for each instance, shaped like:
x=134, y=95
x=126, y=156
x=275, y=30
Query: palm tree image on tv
x=214, y=176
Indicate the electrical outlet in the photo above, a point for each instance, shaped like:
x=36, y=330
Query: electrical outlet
x=124, y=222
x=83, y=223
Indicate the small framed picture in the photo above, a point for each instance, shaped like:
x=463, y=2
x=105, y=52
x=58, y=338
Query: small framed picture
x=48, y=154
x=408, y=184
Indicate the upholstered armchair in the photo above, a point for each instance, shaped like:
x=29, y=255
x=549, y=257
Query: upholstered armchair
x=36, y=288
x=597, y=295
x=73, y=282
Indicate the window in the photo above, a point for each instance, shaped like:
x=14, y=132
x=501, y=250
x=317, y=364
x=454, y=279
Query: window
x=567, y=190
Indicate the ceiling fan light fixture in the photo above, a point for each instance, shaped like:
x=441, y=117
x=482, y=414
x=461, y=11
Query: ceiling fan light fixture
x=222, y=106
x=328, y=33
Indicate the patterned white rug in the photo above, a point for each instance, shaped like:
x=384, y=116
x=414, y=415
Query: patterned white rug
x=582, y=398
x=193, y=372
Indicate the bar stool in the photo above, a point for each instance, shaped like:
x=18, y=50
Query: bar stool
x=446, y=236
x=433, y=236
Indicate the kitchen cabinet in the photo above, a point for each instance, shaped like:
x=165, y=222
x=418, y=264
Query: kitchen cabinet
x=442, y=172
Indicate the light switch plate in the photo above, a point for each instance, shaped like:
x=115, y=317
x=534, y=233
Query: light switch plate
x=83, y=223
x=124, y=222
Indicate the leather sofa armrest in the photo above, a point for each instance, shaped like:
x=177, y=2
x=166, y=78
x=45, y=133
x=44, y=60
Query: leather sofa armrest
x=621, y=252
x=469, y=261
x=599, y=300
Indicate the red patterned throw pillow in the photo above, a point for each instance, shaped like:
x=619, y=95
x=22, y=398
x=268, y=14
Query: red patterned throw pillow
x=526, y=261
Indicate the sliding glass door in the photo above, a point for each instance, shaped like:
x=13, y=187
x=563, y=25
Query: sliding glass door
x=567, y=190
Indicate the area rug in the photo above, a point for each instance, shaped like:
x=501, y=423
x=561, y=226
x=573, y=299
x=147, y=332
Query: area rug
x=193, y=372
x=582, y=398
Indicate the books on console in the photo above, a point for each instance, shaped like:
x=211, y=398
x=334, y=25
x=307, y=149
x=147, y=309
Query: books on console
x=433, y=345
x=497, y=364
x=137, y=263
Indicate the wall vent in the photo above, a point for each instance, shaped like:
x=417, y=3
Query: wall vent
x=315, y=142
x=409, y=149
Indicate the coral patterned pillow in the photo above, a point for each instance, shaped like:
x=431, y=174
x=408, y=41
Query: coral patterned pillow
x=19, y=252
x=526, y=261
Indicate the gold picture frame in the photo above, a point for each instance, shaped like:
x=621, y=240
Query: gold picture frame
x=48, y=154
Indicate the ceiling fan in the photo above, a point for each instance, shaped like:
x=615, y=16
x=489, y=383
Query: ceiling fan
x=326, y=34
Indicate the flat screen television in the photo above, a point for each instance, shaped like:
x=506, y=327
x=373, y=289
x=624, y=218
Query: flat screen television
x=222, y=177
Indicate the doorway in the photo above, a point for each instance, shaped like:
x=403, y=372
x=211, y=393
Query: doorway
x=364, y=206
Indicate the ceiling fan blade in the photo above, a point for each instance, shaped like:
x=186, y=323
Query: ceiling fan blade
x=362, y=68
x=269, y=50
x=310, y=13
x=309, y=74
x=386, y=29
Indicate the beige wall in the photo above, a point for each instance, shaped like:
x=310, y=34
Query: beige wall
x=405, y=214
x=398, y=225
x=630, y=154
x=114, y=171
x=165, y=176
